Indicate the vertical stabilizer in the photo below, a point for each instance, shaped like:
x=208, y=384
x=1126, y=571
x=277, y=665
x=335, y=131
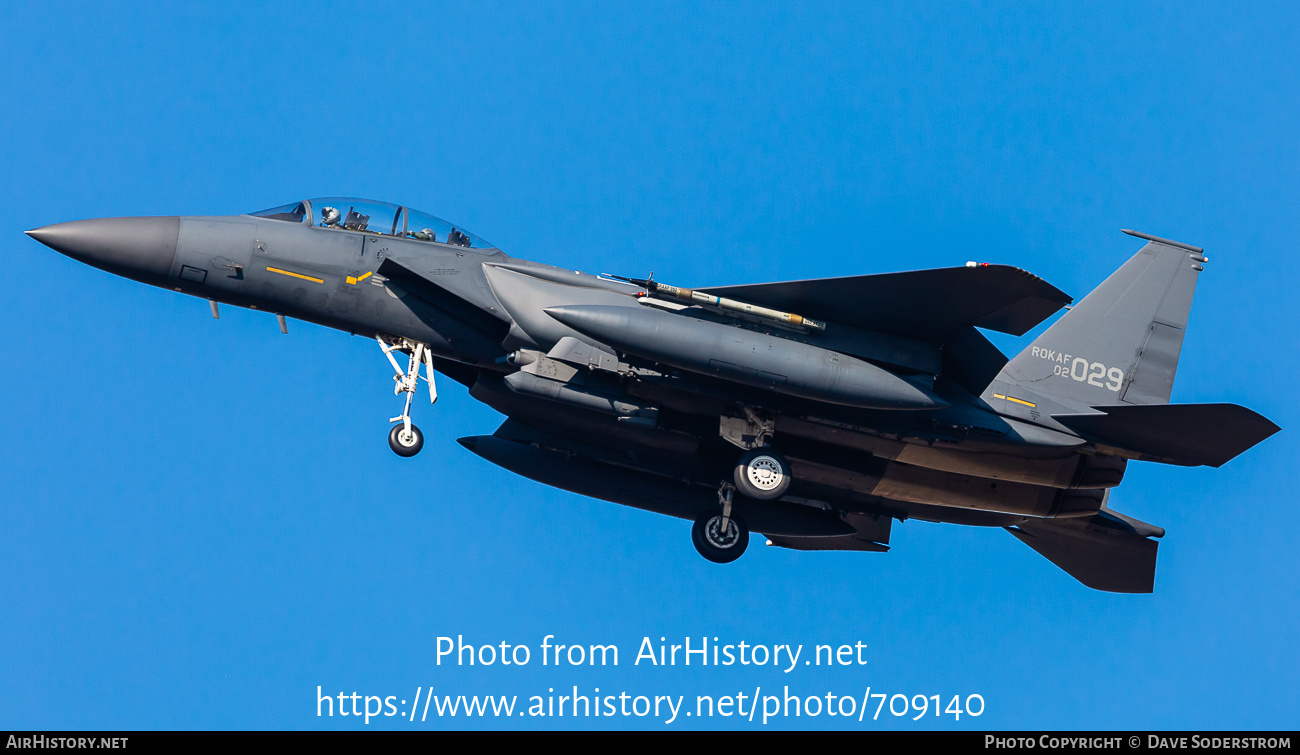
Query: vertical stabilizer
x=1120, y=345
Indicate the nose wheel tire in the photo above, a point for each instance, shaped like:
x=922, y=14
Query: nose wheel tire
x=718, y=545
x=762, y=474
x=405, y=443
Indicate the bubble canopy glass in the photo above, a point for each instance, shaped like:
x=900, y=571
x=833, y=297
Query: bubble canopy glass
x=369, y=216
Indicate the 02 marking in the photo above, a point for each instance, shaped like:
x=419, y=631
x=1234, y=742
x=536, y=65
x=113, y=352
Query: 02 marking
x=1081, y=370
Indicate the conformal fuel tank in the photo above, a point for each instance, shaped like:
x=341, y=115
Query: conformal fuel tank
x=743, y=356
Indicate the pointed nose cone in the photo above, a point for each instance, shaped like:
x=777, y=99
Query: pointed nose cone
x=140, y=248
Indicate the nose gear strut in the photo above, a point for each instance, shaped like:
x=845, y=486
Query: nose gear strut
x=406, y=439
x=721, y=538
x=725, y=493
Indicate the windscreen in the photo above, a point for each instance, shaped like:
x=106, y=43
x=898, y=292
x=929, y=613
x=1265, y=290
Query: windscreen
x=290, y=213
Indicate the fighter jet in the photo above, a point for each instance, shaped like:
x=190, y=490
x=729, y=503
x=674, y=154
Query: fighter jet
x=814, y=412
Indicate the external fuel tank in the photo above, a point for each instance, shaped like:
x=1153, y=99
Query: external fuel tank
x=744, y=356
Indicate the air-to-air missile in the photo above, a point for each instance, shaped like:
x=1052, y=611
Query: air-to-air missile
x=664, y=291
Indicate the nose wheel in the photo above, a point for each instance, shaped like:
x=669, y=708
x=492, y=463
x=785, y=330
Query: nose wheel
x=721, y=537
x=406, y=439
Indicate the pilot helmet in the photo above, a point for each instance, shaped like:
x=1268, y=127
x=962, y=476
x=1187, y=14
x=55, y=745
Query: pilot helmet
x=329, y=216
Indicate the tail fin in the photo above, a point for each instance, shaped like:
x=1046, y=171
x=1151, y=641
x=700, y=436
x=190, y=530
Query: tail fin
x=1120, y=344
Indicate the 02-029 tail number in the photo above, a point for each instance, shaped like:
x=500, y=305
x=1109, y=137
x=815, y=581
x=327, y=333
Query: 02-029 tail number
x=1092, y=373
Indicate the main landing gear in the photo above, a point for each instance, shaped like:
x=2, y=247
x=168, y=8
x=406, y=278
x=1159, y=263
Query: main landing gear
x=721, y=537
x=762, y=474
x=406, y=439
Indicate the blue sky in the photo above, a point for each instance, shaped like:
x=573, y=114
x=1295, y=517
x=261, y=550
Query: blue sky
x=202, y=521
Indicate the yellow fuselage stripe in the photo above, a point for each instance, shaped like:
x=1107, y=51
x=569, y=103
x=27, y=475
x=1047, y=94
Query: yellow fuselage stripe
x=294, y=275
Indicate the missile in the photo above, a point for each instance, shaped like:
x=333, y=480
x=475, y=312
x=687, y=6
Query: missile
x=664, y=291
x=743, y=356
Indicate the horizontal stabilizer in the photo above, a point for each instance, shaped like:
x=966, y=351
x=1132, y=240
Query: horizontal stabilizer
x=931, y=305
x=1103, y=551
x=1186, y=434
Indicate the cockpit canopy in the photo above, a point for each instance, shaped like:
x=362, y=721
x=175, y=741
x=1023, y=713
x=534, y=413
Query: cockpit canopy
x=369, y=216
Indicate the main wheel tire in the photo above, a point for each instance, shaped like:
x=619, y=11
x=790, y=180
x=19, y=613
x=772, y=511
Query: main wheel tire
x=715, y=545
x=404, y=444
x=762, y=474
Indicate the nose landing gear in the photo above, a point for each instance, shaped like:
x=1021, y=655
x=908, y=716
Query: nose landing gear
x=721, y=537
x=406, y=439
